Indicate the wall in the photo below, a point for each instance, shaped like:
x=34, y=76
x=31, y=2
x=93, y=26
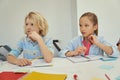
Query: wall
x=108, y=12
x=60, y=15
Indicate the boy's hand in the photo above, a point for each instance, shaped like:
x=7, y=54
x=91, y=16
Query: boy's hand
x=23, y=62
x=34, y=36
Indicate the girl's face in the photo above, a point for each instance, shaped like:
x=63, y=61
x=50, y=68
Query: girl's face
x=86, y=27
x=30, y=26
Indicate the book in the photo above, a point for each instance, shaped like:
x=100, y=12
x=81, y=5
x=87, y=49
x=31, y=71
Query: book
x=44, y=76
x=11, y=75
x=82, y=58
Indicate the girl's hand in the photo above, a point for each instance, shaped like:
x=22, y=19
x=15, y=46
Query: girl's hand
x=93, y=39
x=80, y=50
x=23, y=62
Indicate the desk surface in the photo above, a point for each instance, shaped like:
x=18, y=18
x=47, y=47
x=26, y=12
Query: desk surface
x=84, y=70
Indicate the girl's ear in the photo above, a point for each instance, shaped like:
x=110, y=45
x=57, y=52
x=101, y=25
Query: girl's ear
x=96, y=27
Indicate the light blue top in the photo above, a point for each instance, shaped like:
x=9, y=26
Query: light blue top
x=30, y=49
x=94, y=50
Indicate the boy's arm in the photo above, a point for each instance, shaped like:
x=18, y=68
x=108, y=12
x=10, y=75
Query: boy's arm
x=21, y=62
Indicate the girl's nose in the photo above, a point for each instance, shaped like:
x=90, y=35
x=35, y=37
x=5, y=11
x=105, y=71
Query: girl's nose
x=82, y=28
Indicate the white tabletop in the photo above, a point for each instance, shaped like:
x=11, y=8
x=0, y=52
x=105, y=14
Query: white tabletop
x=85, y=70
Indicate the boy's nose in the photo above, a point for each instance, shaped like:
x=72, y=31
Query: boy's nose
x=28, y=26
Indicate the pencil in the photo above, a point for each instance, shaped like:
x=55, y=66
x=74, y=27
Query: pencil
x=107, y=76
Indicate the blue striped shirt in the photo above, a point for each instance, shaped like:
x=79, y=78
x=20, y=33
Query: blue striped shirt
x=94, y=50
x=30, y=49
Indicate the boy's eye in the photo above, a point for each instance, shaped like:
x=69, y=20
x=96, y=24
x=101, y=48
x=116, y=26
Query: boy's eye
x=80, y=25
x=26, y=24
x=31, y=24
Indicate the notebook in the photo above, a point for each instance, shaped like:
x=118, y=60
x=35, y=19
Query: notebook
x=82, y=58
x=44, y=76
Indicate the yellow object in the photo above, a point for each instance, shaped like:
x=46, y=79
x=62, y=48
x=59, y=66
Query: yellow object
x=44, y=76
x=95, y=78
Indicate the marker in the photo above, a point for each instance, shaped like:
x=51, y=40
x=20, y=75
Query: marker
x=107, y=76
x=75, y=76
x=85, y=56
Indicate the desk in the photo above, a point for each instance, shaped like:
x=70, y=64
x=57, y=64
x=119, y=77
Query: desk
x=84, y=70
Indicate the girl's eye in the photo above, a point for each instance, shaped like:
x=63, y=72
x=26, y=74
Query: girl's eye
x=86, y=25
x=80, y=25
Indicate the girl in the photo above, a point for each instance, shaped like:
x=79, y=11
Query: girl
x=89, y=43
x=34, y=45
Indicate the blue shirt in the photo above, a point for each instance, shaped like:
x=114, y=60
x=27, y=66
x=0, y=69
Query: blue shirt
x=30, y=49
x=94, y=50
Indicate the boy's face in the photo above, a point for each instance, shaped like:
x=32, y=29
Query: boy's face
x=30, y=26
x=86, y=27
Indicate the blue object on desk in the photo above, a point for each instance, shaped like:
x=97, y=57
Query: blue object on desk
x=108, y=59
x=117, y=78
x=106, y=67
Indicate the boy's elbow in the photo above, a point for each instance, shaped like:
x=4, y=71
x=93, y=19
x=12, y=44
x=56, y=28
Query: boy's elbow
x=48, y=60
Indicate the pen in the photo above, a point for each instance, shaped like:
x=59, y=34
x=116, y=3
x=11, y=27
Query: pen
x=85, y=56
x=47, y=65
x=107, y=76
x=43, y=65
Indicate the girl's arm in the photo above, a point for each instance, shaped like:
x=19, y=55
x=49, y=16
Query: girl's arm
x=107, y=49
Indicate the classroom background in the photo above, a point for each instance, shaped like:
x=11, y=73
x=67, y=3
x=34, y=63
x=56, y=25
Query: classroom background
x=62, y=16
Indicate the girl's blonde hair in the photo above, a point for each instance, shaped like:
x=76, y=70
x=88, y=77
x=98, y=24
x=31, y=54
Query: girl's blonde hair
x=38, y=20
x=93, y=18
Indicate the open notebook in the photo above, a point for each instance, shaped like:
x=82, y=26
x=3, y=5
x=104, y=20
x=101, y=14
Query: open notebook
x=44, y=76
x=39, y=63
x=81, y=58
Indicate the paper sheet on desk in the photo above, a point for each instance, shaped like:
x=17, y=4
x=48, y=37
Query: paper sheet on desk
x=77, y=59
x=39, y=63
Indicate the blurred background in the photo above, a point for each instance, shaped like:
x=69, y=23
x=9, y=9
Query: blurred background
x=62, y=16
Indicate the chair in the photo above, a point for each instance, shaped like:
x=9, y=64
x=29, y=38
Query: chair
x=57, y=47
